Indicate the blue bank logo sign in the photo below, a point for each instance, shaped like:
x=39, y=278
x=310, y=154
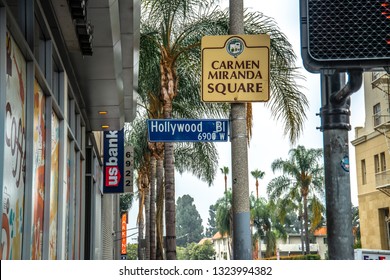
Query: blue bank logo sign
x=184, y=130
x=113, y=161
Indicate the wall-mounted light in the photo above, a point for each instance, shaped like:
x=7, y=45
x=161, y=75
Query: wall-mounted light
x=105, y=126
x=103, y=113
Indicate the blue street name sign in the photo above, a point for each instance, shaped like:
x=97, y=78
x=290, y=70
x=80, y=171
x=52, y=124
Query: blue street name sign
x=184, y=130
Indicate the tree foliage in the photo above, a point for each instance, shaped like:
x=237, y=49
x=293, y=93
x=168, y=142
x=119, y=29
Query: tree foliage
x=188, y=221
x=132, y=251
x=301, y=182
x=194, y=251
x=224, y=216
x=211, y=229
x=126, y=201
x=263, y=218
x=257, y=174
x=356, y=226
x=171, y=32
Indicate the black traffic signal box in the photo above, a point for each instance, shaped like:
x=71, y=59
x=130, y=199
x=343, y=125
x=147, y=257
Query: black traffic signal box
x=345, y=34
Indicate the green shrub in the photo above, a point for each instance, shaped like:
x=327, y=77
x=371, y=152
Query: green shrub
x=297, y=257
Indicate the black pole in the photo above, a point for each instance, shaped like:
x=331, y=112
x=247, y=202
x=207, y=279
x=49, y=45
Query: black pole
x=335, y=124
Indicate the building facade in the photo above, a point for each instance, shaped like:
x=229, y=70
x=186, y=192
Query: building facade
x=372, y=150
x=222, y=246
x=66, y=74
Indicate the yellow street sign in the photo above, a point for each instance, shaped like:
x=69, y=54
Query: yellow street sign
x=235, y=68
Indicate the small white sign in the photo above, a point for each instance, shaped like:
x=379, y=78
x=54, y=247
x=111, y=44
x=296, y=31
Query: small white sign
x=128, y=169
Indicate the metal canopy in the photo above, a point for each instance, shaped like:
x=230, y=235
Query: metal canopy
x=106, y=80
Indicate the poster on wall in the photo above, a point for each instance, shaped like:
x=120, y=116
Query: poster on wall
x=72, y=210
x=38, y=170
x=55, y=136
x=67, y=211
x=14, y=153
x=113, y=144
x=80, y=206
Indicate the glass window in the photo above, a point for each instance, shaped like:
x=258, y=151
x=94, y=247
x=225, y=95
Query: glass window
x=377, y=114
x=40, y=45
x=375, y=75
x=383, y=161
x=364, y=172
x=376, y=163
x=55, y=83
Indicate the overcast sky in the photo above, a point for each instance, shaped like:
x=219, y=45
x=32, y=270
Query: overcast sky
x=268, y=142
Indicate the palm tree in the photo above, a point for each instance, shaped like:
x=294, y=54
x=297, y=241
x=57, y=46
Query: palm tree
x=356, y=226
x=172, y=31
x=261, y=215
x=257, y=174
x=198, y=158
x=168, y=37
x=225, y=172
x=136, y=136
x=302, y=174
x=126, y=201
x=224, y=218
x=292, y=201
x=140, y=223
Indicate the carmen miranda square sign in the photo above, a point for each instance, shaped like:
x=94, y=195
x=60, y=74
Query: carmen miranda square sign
x=235, y=68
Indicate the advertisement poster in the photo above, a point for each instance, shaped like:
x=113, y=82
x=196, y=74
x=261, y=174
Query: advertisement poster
x=73, y=205
x=14, y=153
x=80, y=206
x=67, y=217
x=38, y=170
x=55, y=136
x=70, y=203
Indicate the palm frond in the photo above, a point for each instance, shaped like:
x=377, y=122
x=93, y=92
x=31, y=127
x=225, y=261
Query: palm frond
x=200, y=158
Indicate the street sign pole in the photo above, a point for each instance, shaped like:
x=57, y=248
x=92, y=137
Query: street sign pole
x=335, y=125
x=242, y=241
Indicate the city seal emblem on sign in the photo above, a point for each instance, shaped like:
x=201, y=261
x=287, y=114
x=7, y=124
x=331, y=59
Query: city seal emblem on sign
x=235, y=46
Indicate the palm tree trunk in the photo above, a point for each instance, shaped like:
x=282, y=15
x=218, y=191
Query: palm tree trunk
x=301, y=227
x=168, y=92
x=170, y=211
x=230, y=248
x=160, y=209
x=140, y=230
x=153, y=208
x=306, y=225
x=147, y=224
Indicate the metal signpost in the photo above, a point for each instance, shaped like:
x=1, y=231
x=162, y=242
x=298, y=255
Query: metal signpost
x=339, y=37
x=235, y=68
x=185, y=130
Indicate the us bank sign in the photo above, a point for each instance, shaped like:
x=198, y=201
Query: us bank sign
x=235, y=68
x=113, y=173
